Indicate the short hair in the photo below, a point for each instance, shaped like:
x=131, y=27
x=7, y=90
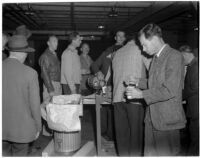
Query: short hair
x=150, y=30
x=73, y=36
x=188, y=49
x=120, y=31
x=131, y=36
x=83, y=43
x=50, y=36
x=185, y=48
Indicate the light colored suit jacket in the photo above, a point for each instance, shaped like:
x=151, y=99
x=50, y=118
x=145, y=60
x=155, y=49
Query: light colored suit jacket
x=21, y=102
x=127, y=61
x=164, y=93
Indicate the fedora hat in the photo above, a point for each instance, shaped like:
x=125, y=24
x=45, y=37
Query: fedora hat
x=22, y=30
x=18, y=43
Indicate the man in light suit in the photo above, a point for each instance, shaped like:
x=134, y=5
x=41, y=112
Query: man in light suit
x=21, y=120
x=164, y=111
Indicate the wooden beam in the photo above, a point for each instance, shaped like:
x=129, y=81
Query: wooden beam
x=11, y=19
x=19, y=17
x=165, y=12
x=57, y=32
x=73, y=25
x=27, y=16
x=140, y=18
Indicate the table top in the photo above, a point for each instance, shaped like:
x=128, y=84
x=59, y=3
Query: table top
x=91, y=99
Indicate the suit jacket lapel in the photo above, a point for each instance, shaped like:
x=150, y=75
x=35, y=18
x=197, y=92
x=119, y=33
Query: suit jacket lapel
x=159, y=60
x=163, y=54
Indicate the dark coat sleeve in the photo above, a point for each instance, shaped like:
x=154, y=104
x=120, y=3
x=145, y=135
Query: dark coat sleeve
x=191, y=81
x=96, y=66
x=44, y=64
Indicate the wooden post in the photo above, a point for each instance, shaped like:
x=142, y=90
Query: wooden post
x=98, y=123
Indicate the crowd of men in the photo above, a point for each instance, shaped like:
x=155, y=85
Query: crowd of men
x=146, y=76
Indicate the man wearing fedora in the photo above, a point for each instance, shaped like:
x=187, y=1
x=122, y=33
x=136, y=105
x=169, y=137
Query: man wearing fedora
x=21, y=120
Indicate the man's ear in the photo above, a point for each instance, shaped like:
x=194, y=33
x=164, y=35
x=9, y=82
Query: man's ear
x=48, y=43
x=115, y=38
x=154, y=39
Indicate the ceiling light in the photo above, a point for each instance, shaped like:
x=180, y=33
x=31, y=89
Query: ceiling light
x=101, y=27
x=29, y=10
x=113, y=13
x=29, y=13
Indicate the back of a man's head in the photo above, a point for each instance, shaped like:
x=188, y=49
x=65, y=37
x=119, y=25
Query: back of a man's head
x=73, y=36
x=150, y=30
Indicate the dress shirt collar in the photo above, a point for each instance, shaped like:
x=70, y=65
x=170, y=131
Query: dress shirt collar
x=158, y=54
x=13, y=57
x=53, y=52
x=193, y=61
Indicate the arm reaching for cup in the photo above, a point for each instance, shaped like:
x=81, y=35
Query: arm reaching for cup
x=100, y=75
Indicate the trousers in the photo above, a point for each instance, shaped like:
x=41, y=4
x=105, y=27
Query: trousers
x=14, y=149
x=58, y=91
x=160, y=143
x=129, y=119
x=194, y=137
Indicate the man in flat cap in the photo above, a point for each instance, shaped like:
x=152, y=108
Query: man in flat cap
x=21, y=120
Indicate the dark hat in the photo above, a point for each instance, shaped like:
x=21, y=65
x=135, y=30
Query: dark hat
x=18, y=43
x=22, y=30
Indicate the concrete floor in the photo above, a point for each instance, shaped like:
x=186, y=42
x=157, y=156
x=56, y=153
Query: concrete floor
x=87, y=134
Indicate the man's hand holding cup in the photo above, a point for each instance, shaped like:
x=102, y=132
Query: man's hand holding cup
x=133, y=93
x=131, y=81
